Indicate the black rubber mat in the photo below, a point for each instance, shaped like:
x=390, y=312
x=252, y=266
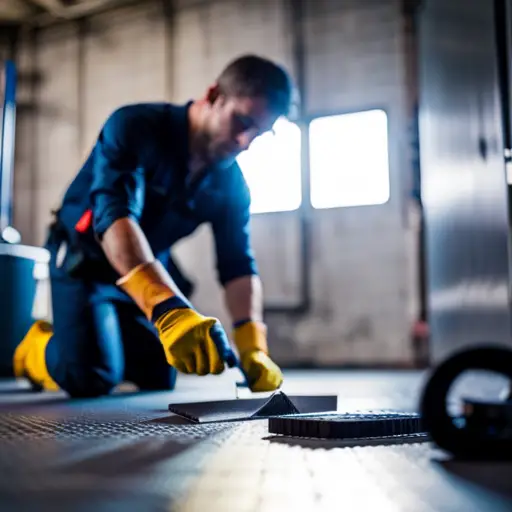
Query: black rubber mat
x=255, y=408
x=348, y=426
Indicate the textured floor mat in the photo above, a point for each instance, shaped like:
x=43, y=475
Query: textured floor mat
x=78, y=464
x=251, y=409
x=13, y=427
x=129, y=453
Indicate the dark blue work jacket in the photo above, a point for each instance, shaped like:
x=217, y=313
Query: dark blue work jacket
x=138, y=168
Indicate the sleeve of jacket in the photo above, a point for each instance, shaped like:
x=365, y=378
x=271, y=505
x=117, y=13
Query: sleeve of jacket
x=231, y=231
x=118, y=184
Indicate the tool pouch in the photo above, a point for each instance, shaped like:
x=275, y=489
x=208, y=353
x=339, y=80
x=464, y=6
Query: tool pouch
x=74, y=255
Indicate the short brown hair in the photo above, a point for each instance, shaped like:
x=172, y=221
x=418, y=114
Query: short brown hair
x=255, y=76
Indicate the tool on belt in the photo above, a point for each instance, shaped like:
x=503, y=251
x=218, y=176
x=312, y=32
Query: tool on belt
x=74, y=254
x=484, y=429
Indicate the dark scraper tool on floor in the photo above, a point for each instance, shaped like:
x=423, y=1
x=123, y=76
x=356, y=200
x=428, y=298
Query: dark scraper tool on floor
x=279, y=404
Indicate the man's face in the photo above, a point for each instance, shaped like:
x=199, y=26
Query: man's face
x=232, y=124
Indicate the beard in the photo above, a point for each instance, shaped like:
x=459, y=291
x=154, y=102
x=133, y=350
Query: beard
x=221, y=155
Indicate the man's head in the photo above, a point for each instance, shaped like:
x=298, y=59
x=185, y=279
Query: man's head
x=244, y=102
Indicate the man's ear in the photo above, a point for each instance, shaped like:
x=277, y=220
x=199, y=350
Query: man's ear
x=212, y=93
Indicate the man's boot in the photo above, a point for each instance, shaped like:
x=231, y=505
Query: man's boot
x=29, y=357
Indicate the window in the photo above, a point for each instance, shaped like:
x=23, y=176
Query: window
x=272, y=169
x=349, y=160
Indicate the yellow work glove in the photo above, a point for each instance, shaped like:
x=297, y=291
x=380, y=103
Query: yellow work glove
x=193, y=343
x=251, y=341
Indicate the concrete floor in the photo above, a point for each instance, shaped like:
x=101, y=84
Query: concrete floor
x=127, y=452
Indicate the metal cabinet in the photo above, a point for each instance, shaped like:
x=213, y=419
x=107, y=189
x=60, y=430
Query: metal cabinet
x=464, y=185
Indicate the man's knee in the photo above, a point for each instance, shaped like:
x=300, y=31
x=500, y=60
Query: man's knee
x=85, y=357
x=159, y=380
x=89, y=381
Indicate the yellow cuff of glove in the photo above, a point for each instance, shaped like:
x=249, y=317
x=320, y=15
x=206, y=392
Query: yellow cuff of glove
x=193, y=343
x=147, y=284
x=251, y=341
x=251, y=336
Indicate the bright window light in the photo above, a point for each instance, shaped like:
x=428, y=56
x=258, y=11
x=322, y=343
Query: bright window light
x=272, y=169
x=349, y=160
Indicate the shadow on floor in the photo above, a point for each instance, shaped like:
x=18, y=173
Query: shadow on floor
x=325, y=444
x=134, y=458
x=16, y=399
x=171, y=420
x=28, y=404
x=14, y=391
x=493, y=476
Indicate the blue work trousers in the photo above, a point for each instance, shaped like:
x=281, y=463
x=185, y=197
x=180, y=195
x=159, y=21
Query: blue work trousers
x=99, y=342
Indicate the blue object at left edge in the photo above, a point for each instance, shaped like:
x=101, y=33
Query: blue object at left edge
x=7, y=144
x=16, y=261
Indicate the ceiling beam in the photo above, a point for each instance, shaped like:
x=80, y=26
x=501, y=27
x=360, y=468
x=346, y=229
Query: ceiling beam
x=81, y=10
x=71, y=12
x=15, y=10
x=54, y=7
x=46, y=12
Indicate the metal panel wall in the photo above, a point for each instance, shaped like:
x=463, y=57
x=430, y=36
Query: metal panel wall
x=463, y=180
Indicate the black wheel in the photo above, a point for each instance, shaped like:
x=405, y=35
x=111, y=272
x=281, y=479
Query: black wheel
x=452, y=434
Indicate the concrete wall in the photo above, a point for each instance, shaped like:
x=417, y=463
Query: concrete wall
x=363, y=282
